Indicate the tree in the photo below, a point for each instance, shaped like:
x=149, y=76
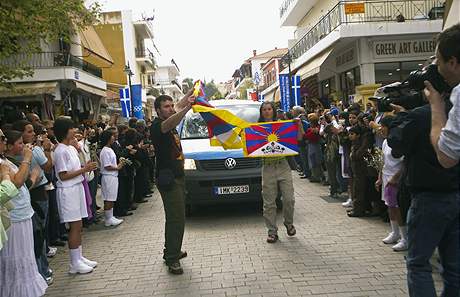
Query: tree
x=248, y=84
x=187, y=84
x=211, y=89
x=26, y=23
x=218, y=95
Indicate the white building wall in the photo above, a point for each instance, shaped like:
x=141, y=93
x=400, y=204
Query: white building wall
x=129, y=40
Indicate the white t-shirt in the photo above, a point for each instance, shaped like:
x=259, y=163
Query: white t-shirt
x=85, y=151
x=108, y=158
x=66, y=160
x=391, y=165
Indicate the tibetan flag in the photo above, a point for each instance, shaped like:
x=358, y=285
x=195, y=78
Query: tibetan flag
x=271, y=139
x=224, y=127
x=200, y=95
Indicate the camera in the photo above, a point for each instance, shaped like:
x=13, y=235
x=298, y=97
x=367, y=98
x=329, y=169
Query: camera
x=408, y=94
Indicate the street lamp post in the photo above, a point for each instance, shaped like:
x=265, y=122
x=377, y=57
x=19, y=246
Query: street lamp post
x=129, y=73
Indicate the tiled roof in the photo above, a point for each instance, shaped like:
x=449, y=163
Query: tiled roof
x=277, y=52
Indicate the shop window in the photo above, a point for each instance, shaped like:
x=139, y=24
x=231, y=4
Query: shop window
x=327, y=86
x=348, y=82
x=387, y=73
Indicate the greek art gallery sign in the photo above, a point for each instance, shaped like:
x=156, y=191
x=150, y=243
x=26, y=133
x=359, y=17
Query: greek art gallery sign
x=404, y=48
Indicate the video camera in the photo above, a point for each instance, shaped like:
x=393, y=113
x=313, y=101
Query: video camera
x=409, y=93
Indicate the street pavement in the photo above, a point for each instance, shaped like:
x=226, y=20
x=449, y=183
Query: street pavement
x=331, y=255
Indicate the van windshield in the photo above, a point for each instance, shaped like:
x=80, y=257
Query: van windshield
x=194, y=126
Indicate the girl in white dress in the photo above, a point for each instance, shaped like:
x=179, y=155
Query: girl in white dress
x=19, y=274
x=109, y=177
x=70, y=193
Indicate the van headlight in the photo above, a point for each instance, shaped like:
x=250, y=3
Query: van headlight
x=189, y=164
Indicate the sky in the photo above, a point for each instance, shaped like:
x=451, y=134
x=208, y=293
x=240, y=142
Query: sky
x=209, y=39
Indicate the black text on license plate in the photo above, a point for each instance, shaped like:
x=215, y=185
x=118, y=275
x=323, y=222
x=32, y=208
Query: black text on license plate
x=231, y=190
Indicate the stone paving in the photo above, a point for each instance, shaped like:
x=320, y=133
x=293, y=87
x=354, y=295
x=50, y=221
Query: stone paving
x=331, y=255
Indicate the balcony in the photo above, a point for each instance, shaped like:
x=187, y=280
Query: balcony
x=145, y=57
x=359, y=12
x=292, y=11
x=52, y=60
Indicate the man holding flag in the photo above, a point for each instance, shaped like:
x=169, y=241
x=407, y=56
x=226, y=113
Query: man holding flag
x=170, y=173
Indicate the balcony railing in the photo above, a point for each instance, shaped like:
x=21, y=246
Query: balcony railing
x=50, y=60
x=368, y=12
x=145, y=54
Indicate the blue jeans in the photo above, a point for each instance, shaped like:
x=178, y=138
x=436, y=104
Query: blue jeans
x=433, y=221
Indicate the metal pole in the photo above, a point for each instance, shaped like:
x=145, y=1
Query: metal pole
x=131, y=95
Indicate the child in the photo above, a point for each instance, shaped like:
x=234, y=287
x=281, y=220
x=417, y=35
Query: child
x=314, y=148
x=389, y=179
x=359, y=169
x=70, y=193
x=109, y=179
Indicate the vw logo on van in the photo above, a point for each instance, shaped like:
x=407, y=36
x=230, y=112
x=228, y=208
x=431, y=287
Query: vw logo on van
x=230, y=163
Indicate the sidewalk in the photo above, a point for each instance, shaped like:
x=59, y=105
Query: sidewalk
x=331, y=255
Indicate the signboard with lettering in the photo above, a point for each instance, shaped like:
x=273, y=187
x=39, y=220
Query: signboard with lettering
x=345, y=58
x=284, y=92
x=404, y=48
x=353, y=8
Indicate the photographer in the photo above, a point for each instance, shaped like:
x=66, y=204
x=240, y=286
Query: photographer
x=445, y=132
x=433, y=219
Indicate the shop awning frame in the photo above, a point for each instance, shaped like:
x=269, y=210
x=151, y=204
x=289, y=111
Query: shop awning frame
x=313, y=66
x=29, y=89
x=90, y=89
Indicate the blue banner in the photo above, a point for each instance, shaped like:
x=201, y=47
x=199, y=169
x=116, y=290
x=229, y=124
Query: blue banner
x=296, y=100
x=137, y=101
x=125, y=102
x=284, y=92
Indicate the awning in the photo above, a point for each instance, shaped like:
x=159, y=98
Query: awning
x=28, y=89
x=91, y=42
x=89, y=89
x=313, y=66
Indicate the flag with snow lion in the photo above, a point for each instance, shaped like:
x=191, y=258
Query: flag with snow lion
x=271, y=139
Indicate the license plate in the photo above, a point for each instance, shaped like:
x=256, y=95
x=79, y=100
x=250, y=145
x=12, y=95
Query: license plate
x=231, y=190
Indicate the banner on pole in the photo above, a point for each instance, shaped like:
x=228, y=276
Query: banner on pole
x=296, y=96
x=137, y=101
x=284, y=92
x=125, y=102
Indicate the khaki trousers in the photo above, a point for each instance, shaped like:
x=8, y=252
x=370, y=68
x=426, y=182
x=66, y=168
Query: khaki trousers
x=277, y=174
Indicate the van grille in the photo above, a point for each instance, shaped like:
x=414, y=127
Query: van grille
x=241, y=163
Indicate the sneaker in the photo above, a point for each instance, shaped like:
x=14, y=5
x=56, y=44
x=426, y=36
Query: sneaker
x=52, y=252
x=400, y=246
x=80, y=268
x=113, y=222
x=391, y=238
x=349, y=203
x=175, y=268
x=90, y=263
x=49, y=280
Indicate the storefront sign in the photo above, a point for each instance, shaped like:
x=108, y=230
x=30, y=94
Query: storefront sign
x=404, y=48
x=353, y=8
x=345, y=58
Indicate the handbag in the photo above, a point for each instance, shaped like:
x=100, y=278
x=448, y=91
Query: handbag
x=165, y=179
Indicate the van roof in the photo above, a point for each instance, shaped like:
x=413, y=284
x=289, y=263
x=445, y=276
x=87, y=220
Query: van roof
x=223, y=102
